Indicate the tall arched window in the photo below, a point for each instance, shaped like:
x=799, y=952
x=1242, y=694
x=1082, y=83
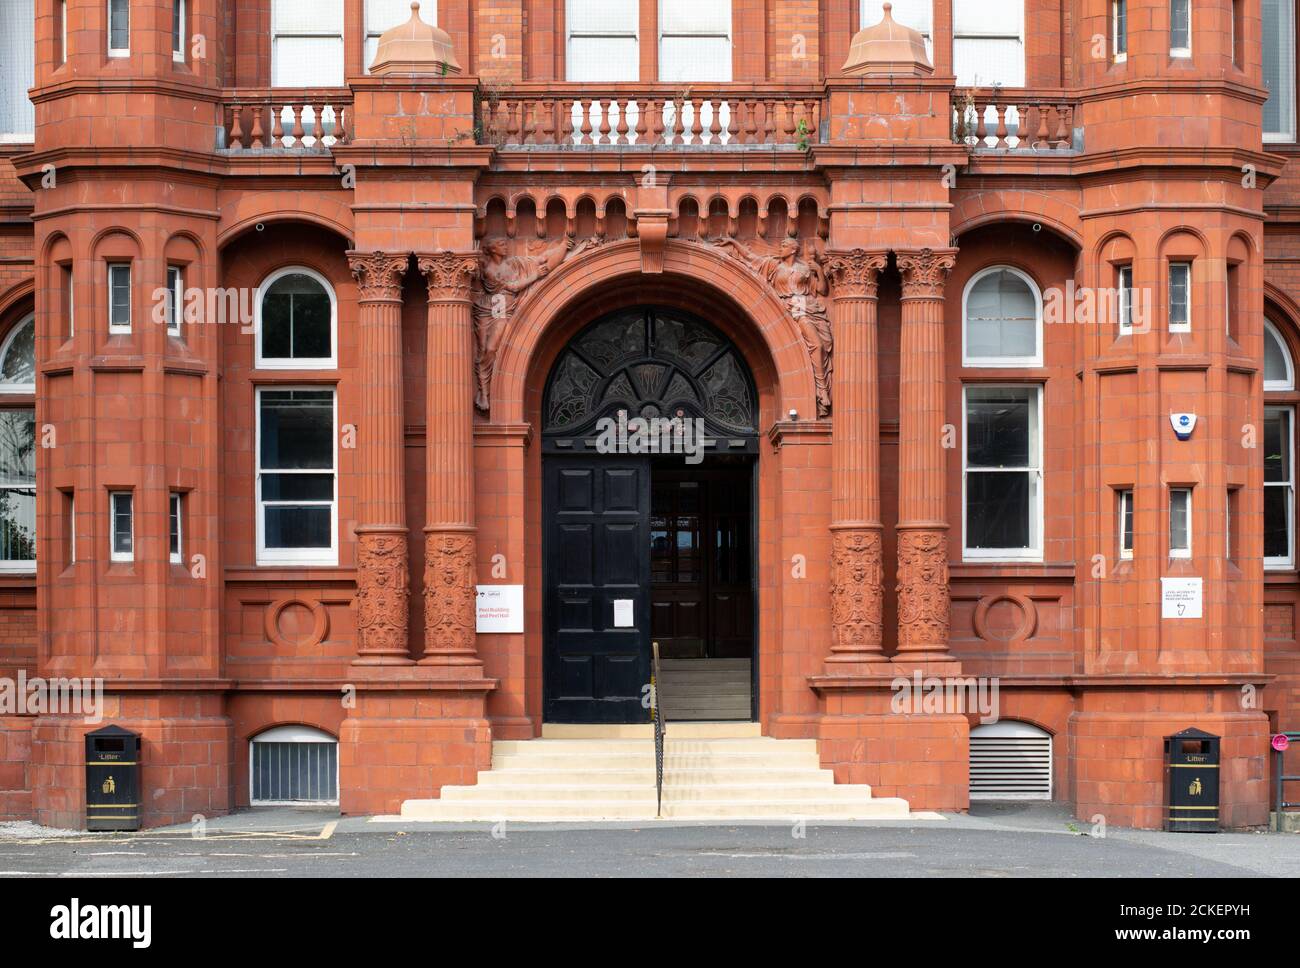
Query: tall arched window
x=296, y=321
x=18, y=448
x=1002, y=319
x=1279, y=451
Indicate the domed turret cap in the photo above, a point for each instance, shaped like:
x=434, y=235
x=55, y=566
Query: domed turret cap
x=415, y=48
x=889, y=49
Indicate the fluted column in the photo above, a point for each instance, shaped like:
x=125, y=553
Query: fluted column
x=923, y=595
x=450, y=536
x=383, y=577
x=857, y=593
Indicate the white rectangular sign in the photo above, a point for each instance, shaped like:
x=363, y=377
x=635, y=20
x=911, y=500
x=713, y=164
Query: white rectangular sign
x=500, y=608
x=624, y=615
x=1181, y=597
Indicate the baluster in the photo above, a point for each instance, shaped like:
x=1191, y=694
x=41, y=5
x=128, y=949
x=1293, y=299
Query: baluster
x=815, y=121
x=715, y=121
x=1001, y=134
x=981, y=128
x=236, y=128
x=342, y=115
x=255, y=135
x=640, y=129
x=1062, y=130
x=733, y=123
x=1040, y=139
x=277, y=127
x=697, y=121
x=565, y=136
x=620, y=131
x=528, y=123
x=298, y=133
x=749, y=132
x=585, y=105
x=654, y=108
x=603, y=106
x=317, y=126
x=788, y=124
x=671, y=127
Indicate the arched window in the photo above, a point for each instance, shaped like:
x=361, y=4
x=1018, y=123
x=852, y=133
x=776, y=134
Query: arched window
x=1279, y=373
x=294, y=764
x=296, y=321
x=18, y=449
x=1002, y=313
x=1010, y=760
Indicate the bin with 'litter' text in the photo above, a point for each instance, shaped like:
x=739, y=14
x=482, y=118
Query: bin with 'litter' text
x=1192, y=782
x=112, y=779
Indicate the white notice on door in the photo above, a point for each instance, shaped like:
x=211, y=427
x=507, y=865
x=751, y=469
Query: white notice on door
x=1181, y=597
x=624, y=618
x=500, y=608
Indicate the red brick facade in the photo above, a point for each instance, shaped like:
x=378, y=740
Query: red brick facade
x=156, y=162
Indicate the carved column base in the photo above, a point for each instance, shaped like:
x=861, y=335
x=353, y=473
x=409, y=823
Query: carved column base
x=450, y=588
x=923, y=595
x=857, y=599
x=383, y=598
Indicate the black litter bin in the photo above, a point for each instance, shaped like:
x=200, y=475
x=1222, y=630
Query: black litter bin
x=112, y=779
x=1192, y=782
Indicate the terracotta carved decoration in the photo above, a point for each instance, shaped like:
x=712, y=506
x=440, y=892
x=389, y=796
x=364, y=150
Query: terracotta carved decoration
x=449, y=590
x=922, y=590
x=383, y=594
x=925, y=273
x=378, y=274
x=502, y=282
x=856, y=593
x=856, y=274
x=449, y=275
x=797, y=277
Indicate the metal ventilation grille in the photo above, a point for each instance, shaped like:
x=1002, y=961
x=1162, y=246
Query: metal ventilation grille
x=1010, y=761
x=295, y=772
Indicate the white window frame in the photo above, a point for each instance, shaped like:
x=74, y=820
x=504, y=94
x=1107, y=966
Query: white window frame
x=303, y=33
x=1175, y=51
x=176, y=513
x=1276, y=386
x=113, y=553
x=1116, y=8
x=176, y=299
x=288, y=363
x=993, y=35
x=178, y=30
x=28, y=320
x=1276, y=563
x=1037, y=479
x=1127, y=510
x=730, y=65
x=117, y=328
x=63, y=32
x=19, y=566
x=292, y=734
x=571, y=34
x=1186, y=325
x=71, y=525
x=294, y=556
x=1189, y=517
x=1124, y=285
x=71, y=296
x=108, y=22
x=1003, y=362
x=1287, y=81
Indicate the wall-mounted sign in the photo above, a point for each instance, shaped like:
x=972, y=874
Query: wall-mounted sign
x=500, y=608
x=1184, y=424
x=1181, y=597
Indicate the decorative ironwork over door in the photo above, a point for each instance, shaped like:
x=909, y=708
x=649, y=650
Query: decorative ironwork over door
x=650, y=362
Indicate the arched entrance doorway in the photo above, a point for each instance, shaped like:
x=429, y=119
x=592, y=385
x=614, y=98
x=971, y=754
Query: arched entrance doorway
x=650, y=424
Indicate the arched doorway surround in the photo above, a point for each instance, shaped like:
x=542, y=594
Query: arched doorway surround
x=698, y=279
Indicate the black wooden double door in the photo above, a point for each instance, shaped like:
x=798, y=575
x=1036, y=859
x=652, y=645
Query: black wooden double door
x=597, y=609
x=634, y=553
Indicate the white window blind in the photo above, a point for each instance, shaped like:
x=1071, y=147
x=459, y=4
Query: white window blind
x=1279, y=70
x=695, y=40
x=307, y=43
x=603, y=43
x=384, y=15
x=988, y=43
x=17, y=69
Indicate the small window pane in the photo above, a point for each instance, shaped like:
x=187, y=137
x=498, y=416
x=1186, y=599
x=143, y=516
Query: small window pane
x=1180, y=500
x=1279, y=69
x=308, y=16
x=297, y=429
x=123, y=537
x=1001, y=318
x=988, y=61
x=1180, y=25
x=1276, y=358
x=290, y=526
x=603, y=59
x=998, y=509
x=308, y=62
x=174, y=527
x=1126, y=523
x=998, y=428
x=17, y=67
x=1277, y=522
x=1277, y=446
x=17, y=485
x=1180, y=279
x=695, y=59
x=119, y=24
x=119, y=296
x=1120, y=15
x=296, y=319
x=19, y=364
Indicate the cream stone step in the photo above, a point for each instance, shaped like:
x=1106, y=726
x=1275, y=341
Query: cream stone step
x=694, y=761
x=564, y=811
x=673, y=746
x=646, y=731
x=720, y=776
x=731, y=793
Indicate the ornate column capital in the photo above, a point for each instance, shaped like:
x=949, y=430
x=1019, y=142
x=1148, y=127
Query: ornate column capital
x=450, y=275
x=855, y=274
x=378, y=274
x=925, y=273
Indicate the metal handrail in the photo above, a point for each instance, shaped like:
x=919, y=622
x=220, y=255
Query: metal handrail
x=1280, y=778
x=657, y=717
